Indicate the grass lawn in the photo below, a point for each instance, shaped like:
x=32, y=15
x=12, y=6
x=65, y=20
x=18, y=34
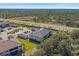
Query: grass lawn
x=26, y=44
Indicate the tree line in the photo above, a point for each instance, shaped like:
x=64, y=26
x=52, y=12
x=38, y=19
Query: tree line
x=69, y=17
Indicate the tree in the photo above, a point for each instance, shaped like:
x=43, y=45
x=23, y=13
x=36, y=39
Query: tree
x=74, y=34
x=40, y=52
x=65, y=48
x=57, y=44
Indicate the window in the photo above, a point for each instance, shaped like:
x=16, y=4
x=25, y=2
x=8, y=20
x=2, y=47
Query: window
x=13, y=48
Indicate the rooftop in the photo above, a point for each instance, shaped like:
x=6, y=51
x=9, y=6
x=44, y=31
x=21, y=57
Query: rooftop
x=40, y=33
x=3, y=23
x=8, y=44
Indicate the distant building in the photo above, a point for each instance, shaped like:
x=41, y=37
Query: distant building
x=3, y=24
x=23, y=33
x=12, y=25
x=39, y=35
x=10, y=48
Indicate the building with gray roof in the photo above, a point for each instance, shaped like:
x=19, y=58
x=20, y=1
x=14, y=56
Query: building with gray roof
x=39, y=35
x=3, y=24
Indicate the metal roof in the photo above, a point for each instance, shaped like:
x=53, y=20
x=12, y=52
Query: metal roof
x=40, y=33
x=8, y=44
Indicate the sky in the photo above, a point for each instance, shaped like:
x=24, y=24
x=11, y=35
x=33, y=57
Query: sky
x=39, y=5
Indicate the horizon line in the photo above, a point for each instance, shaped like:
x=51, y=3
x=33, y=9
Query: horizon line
x=39, y=5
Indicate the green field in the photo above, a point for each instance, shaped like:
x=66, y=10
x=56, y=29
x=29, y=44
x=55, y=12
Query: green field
x=28, y=45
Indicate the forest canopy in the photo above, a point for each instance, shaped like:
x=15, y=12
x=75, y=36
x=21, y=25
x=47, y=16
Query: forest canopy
x=69, y=17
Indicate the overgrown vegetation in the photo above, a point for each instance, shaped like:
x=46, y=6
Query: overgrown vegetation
x=69, y=17
x=26, y=45
x=60, y=43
